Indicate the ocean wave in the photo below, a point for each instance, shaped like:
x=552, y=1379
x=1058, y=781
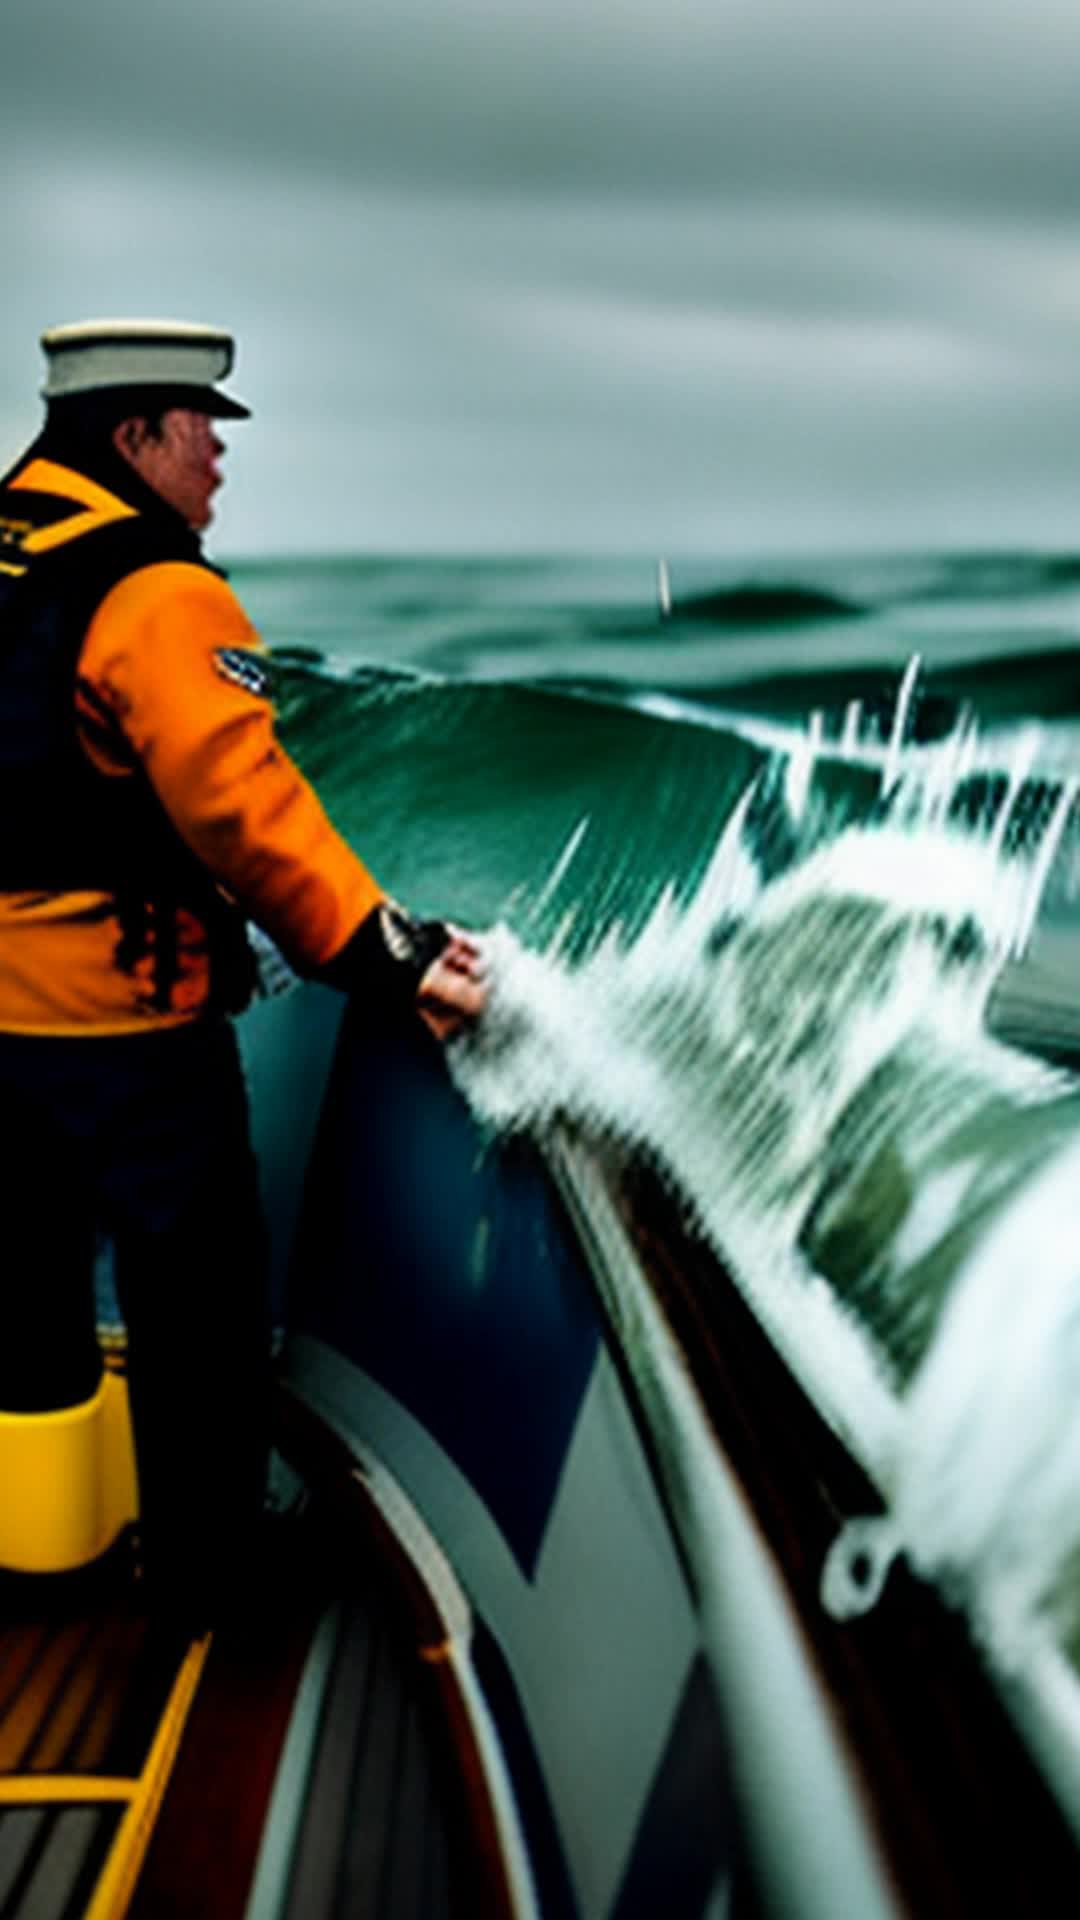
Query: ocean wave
x=855, y=588
x=996, y=576
x=765, y=958
x=459, y=794
x=765, y=603
x=802, y=1049
x=1022, y=678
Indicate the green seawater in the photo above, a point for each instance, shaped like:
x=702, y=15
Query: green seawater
x=543, y=747
x=462, y=718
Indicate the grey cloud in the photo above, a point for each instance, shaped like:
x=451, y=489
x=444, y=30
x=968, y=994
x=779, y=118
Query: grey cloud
x=523, y=275
x=943, y=106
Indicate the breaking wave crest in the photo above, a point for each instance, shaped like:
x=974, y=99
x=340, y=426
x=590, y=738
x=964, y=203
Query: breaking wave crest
x=802, y=1049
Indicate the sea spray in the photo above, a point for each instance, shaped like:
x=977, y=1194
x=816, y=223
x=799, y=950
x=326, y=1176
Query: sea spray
x=987, y=1485
x=805, y=1058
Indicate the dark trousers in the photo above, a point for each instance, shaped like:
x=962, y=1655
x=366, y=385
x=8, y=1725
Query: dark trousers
x=144, y=1137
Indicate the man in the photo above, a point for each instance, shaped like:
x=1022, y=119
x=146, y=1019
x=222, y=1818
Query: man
x=148, y=812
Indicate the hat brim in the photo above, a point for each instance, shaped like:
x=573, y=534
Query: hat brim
x=211, y=400
x=222, y=406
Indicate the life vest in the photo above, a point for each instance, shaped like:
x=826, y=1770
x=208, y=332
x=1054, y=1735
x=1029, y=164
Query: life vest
x=68, y=826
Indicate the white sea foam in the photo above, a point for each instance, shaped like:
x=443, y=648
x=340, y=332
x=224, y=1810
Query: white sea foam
x=989, y=1488
x=986, y=1493
x=733, y=1042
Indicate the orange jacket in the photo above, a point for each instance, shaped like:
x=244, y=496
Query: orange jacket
x=153, y=660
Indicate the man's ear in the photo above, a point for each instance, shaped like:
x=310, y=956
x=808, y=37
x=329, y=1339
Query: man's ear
x=128, y=437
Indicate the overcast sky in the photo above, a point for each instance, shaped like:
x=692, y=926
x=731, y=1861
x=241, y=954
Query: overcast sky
x=657, y=275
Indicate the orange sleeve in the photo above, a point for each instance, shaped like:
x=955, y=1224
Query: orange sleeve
x=207, y=742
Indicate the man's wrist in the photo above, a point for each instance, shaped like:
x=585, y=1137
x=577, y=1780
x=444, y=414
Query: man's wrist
x=388, y=955
x=413, y=944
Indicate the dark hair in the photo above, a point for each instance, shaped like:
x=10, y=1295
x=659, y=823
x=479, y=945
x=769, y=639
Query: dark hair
x=90, y=419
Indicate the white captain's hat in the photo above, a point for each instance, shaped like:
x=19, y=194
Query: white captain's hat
x=172, y=363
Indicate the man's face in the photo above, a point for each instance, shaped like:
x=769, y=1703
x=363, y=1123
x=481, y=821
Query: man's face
x=180, y=463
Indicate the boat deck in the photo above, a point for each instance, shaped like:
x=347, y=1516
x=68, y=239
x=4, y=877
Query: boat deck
x=289, y=1768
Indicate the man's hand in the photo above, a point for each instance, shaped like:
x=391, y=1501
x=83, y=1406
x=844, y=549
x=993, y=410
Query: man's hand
x=426, y=966
x=454, y=988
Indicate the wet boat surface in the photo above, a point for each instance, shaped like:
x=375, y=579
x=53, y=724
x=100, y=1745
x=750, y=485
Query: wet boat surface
x=295, y=1763
x=536, y=1633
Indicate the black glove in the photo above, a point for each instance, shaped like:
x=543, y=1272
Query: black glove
x=387, y=956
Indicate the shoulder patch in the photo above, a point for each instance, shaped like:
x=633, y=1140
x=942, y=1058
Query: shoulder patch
x=247, y=670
